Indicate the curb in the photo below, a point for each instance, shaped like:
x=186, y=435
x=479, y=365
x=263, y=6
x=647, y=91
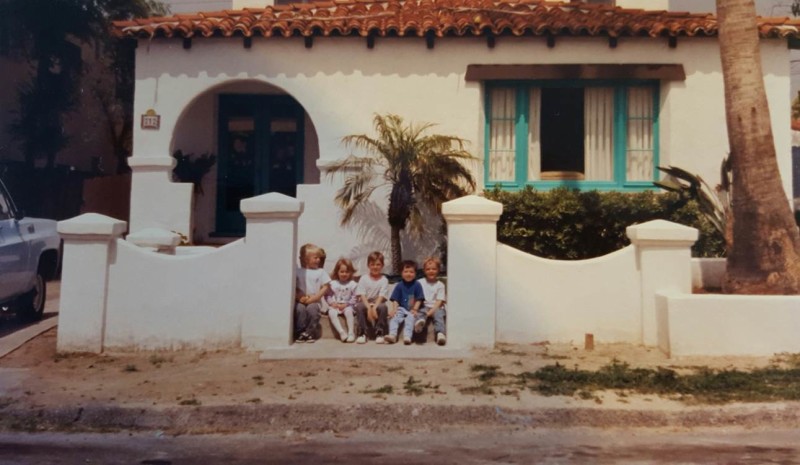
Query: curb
x=280, y=418
x=15, y=340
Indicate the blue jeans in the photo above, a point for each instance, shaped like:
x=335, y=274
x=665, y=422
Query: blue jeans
x=407, y=318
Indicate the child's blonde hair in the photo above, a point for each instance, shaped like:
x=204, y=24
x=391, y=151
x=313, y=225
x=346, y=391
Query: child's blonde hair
x=310, y=248
x=348, y=265
x=434, y=260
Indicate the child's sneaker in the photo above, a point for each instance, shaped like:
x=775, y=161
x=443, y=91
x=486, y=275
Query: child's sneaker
x=441, y=339
x=361, y=339
x=419, y=325
x=343, y=337
x=407, y=341
x=351, y=338
x=390, y=339
x=310, y=339
x=379, y=340
x=303, y=337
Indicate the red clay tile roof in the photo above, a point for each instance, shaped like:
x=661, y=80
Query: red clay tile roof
x=441, y=18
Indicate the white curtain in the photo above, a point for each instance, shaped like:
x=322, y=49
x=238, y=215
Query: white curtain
x=598, y=113
x=502, y=123
x=640, y=152
x=534, y=134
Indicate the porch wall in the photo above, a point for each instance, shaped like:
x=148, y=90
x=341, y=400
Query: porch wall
x=342, y=84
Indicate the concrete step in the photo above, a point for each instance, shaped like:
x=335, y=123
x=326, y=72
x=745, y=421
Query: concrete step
x=329, y=332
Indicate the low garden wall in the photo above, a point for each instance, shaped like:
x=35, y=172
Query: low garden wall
x=144, y=293
x=715, y=324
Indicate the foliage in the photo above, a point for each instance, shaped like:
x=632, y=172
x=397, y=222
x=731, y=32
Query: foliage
x=704, y=384
x=49, y=35
x=192, y=168
x=422, y=170
x=568, y=224
x=715, y=203
x=779, y=381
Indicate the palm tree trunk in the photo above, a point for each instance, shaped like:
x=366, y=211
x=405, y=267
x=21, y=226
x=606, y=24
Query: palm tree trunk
x=765, y=254
x=397, y=251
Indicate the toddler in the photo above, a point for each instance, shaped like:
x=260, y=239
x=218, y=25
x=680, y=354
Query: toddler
x=406, y=300
x=342, y=297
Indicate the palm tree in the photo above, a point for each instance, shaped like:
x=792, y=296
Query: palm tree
x=422, y=169
x=765, y=254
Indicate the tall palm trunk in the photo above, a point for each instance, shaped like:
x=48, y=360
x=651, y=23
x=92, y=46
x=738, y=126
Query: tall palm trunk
x=765, y=255
x=397, y=251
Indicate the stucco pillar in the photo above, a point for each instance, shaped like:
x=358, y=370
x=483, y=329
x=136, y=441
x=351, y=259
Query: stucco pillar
x=663, y=259
x=89, y=248
x=156, y=201
x=271, y=240
x=471, y=271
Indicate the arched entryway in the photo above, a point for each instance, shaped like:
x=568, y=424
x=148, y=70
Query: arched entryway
x=263, y=141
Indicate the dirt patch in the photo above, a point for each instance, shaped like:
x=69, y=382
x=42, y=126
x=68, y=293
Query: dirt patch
x=235, y=377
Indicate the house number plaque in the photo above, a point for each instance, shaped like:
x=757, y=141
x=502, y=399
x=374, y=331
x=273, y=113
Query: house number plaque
x=151, y=120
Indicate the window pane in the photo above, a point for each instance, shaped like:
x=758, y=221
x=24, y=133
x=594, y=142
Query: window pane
x=502, y=123
x=534, y=134
x=599, y=135
x=640, y=146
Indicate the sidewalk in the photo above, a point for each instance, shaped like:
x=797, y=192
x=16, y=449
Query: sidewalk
x=234, y=391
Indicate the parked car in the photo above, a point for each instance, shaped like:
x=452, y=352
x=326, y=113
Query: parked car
x=29, y=257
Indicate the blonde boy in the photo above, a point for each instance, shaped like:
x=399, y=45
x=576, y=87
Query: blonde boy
x=311, y=285
x=435, y=297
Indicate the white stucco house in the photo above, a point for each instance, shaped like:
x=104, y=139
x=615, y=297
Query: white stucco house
x=549, y=93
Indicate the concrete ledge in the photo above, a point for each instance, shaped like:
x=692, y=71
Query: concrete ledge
x=332, y=348
x=716, y=324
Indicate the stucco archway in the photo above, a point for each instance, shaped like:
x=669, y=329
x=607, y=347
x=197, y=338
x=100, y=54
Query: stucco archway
x=200, y=130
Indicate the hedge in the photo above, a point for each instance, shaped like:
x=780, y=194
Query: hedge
x=567, y=224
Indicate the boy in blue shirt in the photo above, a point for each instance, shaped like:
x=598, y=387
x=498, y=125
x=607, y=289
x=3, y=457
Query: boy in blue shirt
x=406, y=300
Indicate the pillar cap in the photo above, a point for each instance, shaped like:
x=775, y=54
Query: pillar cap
x=272, y=205
x=92, y=224
x=662, y=232
x=472, y=208
x=154, y=237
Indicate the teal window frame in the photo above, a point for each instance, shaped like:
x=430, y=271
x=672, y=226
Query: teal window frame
x=620, y=150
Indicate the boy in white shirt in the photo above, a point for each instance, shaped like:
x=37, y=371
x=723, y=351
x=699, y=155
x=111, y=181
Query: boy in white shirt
x=310, y=287
x=372, y=292
x=435, y=298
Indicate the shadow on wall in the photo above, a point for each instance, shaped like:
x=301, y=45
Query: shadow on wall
x=374, y=233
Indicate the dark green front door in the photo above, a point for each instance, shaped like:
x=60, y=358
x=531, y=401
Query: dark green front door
x=260, y=151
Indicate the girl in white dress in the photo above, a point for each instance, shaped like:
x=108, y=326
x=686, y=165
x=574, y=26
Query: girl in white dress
x=341, y=298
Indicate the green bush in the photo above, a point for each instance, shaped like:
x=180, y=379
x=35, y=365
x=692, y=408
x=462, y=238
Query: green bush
x=567, y=224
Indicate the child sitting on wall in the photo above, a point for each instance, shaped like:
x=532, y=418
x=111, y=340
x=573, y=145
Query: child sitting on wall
x=372, y=292
x=311, y=285
x=341, y=298
x=406, y=300
x=435, y=297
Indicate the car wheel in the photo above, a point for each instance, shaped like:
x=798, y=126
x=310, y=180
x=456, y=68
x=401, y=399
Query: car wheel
x=31, y=305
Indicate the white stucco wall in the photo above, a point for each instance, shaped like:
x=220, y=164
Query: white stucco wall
x=727, y=324
x=552, y=300
x=342, y=84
